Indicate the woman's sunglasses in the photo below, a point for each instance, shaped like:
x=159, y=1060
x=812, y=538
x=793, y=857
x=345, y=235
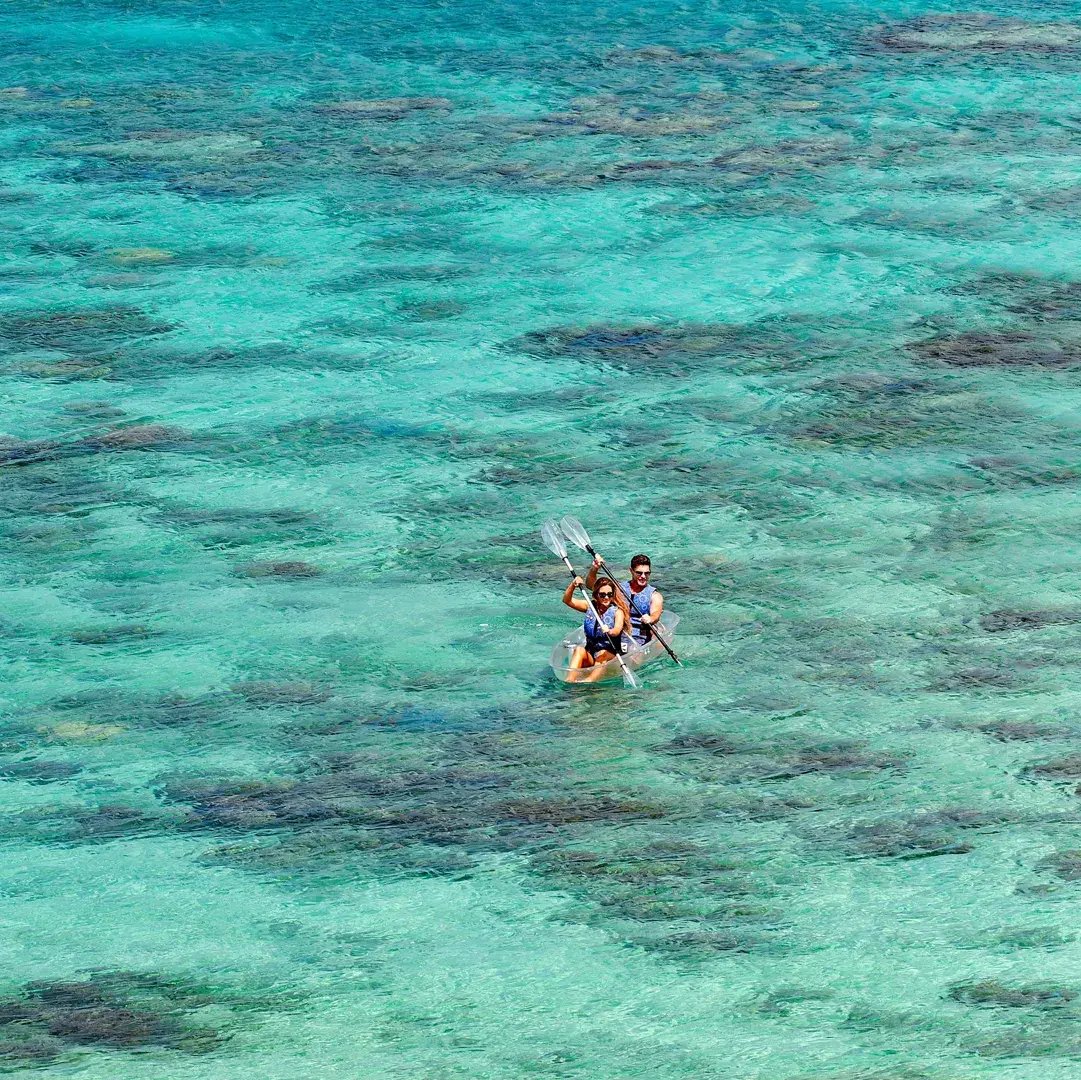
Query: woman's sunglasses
x=605, y=595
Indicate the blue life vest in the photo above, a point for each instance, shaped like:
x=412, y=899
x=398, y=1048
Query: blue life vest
x=639, y=604
x=597, y=639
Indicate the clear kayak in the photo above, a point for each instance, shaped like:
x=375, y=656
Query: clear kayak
x=634, y=658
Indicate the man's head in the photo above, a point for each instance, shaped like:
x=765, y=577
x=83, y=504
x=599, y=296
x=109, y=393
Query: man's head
x=641, y=568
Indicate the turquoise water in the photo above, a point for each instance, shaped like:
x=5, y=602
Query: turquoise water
x=311, y=315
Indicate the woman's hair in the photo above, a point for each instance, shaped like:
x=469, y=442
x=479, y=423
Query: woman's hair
x=618, y=597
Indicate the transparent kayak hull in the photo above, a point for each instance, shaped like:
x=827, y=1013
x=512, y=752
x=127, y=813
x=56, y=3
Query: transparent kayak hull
x=634, y=659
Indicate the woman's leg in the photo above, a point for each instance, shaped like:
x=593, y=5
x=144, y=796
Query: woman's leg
x=599, y=660
x=580, y=660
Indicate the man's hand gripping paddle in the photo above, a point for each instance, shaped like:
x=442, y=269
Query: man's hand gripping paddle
x=553, y=540
x=572, y=529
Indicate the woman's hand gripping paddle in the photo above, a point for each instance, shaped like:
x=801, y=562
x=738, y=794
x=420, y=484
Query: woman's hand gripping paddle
x=572, y=529
x=553, y=540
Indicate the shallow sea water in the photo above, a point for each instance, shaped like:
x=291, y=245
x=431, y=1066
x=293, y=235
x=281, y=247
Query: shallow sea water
x=309, y=316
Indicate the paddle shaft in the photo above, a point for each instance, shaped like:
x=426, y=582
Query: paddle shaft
x=597, y=618
x=652, y=627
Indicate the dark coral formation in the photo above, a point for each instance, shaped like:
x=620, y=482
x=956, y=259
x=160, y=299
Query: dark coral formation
x=1021, y=730
x=439, y=806
x=290, y=569
x=976, y=33
x=110, y=1010
x=157, y=437
x=979, y=677
x=1002, y=348
x=139, y=437
x=676, y=898
x=267, y=693
x=994, y=993
x=1063, y=768
x=79, y=330
x=937, y=832
x=1059, y=1041
x=395, y=108
x=1014, y=619
x=781, y=760
x=1064, y=864
x=112, y=635
x=678, y=349
x=38, y=770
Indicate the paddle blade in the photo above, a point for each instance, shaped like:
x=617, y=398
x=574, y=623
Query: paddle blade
x=629, y=680
x=573, y=531
x=553, y=538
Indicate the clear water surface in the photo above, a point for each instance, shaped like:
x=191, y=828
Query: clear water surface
x=311, y=313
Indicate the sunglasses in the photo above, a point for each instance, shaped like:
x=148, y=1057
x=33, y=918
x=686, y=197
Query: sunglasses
x=605, y=595
x=641, y=573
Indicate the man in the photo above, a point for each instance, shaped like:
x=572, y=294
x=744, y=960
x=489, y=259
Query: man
x=646, y=603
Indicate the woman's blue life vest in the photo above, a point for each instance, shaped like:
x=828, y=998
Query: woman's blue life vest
x=639, y=604
x=597, y=639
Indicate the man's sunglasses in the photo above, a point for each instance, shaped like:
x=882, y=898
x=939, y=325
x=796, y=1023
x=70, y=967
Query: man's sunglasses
x=641, y=573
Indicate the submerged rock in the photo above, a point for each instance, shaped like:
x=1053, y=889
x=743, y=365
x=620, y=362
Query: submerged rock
x=784, y=1000
x=385, y=108
x=567, y=811
x=111, y=1025
x=637, y=123
x=111, y=822
x=1033, y=937
x=975, y=678
x=37, y=771
x=1028, y=1043
x=1006, y=348
x=668, y=55
x=928, y=834
x=705, y=743
x=840, y=757
x=139, y=437
x=635, y=346
x=179, y=147
x=141, y=256
x=78, y=329
x=93, y=410
x=1013, y=619
x=80, y=731
x=704, y=943
x=112, y=634
x=109, y=1010
x=974, y=32
x=1020, y=731
x=1063, y=768
x=291, y=569
x=1065, y=864
x=992, y=992
x=748, y=761
x=281, y=693
x=27, y=451
x=33, y=1050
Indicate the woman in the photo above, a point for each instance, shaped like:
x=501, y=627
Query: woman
x=602, y=639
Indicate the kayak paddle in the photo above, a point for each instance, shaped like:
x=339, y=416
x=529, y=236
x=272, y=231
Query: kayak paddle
x=553, y=540
x=572, y=529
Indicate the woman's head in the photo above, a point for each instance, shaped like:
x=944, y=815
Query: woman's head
x=604, y=591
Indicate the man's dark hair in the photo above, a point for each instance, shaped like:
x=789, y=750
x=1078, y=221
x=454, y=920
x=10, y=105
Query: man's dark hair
x=638, y=560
